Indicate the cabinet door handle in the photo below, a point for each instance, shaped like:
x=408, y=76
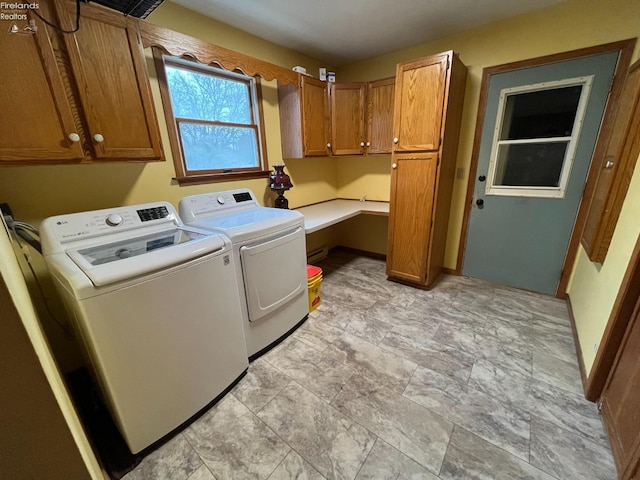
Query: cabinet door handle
x=368, y=144
x=98, y=138
x=362, y=144
x=74, y=137
x=329, y=146
x=395, y=140
x=394, y=165
x=609, y=164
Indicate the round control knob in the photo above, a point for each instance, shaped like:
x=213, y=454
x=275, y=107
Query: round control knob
x=221, y=200
x=74, y=137
x=123, y=253
x=114, y=220
x=98, y=138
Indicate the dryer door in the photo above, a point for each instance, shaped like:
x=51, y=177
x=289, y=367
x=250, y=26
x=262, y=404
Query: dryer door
x=274, y=272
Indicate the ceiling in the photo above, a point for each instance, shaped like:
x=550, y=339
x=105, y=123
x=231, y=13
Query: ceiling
x=339, y=32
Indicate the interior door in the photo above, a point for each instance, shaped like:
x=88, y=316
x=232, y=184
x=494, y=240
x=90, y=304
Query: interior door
x=620, y=400
x=539, y=132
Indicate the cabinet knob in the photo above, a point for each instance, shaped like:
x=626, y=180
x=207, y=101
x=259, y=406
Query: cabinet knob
x=368, y=144
x=394, y=165
x=98, y=138
x=74, y=137
x=362, y=144
x=395, y=140
x=609, y=164
x=329, y=146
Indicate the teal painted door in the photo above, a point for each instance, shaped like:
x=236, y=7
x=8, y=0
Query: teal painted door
x=527, y=191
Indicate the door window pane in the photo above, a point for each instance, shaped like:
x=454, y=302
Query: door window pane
x=536, y=133
x=530, y=164
x=542, y=114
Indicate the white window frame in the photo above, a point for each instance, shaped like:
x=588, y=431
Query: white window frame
x=531, y=191
x=184, y=176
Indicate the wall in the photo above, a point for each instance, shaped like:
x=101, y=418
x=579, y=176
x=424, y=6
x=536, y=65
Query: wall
x=41, y=436
x=567, y=26
x=593, y=287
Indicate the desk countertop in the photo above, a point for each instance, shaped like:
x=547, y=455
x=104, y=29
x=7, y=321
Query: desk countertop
x=325, y=214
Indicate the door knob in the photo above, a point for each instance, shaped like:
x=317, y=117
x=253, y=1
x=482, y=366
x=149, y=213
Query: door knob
x=394, y=165
x=479, y=202
x=482, y=178
x=609, y=164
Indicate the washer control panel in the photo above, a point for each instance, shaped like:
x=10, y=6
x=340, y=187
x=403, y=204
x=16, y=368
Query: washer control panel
x=102, y=222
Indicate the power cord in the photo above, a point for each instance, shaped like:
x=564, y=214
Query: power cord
x=15, y=226
x=35, y=12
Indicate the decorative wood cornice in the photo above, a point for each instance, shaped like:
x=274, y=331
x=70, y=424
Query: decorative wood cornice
x=185, y=46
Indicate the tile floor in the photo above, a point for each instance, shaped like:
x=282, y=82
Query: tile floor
x=470, y=380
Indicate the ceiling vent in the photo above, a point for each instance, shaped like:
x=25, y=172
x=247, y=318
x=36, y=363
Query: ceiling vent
x=134, y=8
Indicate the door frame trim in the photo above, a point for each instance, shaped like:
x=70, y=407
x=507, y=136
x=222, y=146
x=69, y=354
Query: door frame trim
x=625, y=50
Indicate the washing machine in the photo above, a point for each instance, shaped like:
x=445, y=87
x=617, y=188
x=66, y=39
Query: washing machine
x=155, y=308
x=270, y=249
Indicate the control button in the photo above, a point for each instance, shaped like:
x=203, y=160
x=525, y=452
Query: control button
x=123, y=253
x=221, y=200
x=114, y=220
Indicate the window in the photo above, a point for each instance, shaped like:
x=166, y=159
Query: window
x=214, y=120
x=535, y=138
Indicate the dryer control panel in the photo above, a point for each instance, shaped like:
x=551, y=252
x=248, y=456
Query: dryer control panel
x=197, y=206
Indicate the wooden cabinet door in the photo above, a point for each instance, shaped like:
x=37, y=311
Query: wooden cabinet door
x=380, y=115
x=108, y=62
x=621, y=400
x=616, y=170
x=315, y=119
x=419, y=103
x=38, y=117
x=412, y=200
x=347, y=118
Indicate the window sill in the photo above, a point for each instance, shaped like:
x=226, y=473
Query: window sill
x=221, y=177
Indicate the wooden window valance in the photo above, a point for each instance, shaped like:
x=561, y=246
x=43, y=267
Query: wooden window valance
x=184, y=46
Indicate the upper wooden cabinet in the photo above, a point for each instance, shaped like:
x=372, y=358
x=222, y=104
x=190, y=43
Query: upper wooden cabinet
x=321, y=119
x=616, y=169
x=87, y=96
x=380, y=96
x=419, y=108
x=347, y=118
x=428, y=111
x=304, y=118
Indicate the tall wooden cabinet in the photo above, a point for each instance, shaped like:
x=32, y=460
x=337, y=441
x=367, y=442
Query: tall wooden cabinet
x=304, y=118
x=78, y=97
x=426, y=124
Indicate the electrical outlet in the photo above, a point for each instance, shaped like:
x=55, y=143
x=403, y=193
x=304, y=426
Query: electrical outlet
x=595, y=347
